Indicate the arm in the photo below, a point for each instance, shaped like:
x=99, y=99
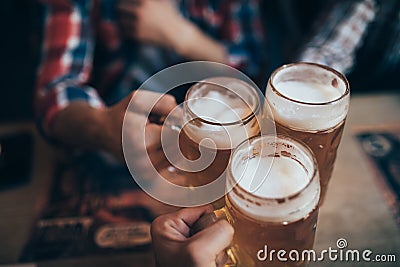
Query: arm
x=231, y=30
x=236, y=25
x=159, y=22
x=341, y=34
x=71, y=112
x=193, y=44
x=61, y=88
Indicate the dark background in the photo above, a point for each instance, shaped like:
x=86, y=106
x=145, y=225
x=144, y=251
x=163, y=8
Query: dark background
x=19, y=54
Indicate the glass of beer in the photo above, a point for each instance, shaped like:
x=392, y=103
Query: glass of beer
x=272, y=201
x=218, y=114
x=310, y=102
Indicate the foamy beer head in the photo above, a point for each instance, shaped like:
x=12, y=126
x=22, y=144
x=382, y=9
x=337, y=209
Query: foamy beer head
x=222, y=109
x=273, y=179
x=308, y=96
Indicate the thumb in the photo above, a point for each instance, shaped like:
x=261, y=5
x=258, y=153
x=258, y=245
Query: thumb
x=212, y=240
x=146, y=102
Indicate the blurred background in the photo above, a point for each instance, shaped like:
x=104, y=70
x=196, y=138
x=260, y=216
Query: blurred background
x=288, y=25
x=362, y=204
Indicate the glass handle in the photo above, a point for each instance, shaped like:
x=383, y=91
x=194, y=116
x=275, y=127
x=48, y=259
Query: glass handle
x=171, y=128
x=205, y=221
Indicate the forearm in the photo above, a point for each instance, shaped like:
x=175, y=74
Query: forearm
x=336, y=42
x=233, y=34
x=193, y=44
x=62, y=95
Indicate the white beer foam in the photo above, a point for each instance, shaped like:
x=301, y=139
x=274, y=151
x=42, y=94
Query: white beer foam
x=285, y=177
x=308, y=92
x=217, y=107
x=275, y=178
x=310, y=114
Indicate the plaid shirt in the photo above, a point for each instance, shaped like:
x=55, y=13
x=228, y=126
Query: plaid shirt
x=84, y=58
x=358, y=36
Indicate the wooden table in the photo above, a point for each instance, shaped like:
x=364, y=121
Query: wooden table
x=354, y=207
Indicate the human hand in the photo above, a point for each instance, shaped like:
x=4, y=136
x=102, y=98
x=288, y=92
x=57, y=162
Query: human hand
x=148, y=20
x=153, y=21
x=143, y=137
x=173, y=245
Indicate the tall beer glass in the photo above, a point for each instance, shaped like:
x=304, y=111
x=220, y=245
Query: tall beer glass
x=218, y=114
x=272, y=201
x=310, y=102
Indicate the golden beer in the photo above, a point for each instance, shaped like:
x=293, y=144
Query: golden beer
x=273, y=200
x=310, y=103
x=219, y=113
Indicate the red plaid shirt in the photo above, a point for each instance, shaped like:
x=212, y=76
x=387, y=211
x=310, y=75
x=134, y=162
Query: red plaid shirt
x=84, y=57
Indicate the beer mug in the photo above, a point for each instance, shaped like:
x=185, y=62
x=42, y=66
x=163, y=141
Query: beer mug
x=218, y=114
x=272, y=201
x=310, y=102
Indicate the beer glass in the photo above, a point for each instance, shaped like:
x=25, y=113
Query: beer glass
x=272, y=201
x=218, y=114
x=310, y=102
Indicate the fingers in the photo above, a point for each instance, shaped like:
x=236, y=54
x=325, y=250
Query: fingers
x=164, y=105
x=172, y=246
x=221, y=258
x=135, y=125
x=140, y=134
x=177, y=225
x=152, y=136
x=127, y=14
x=151, y=102
x=221, y=234
x=128, y=6
x=190, y=215
x=128, y=17
x=142, y=144
x=145, y=102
